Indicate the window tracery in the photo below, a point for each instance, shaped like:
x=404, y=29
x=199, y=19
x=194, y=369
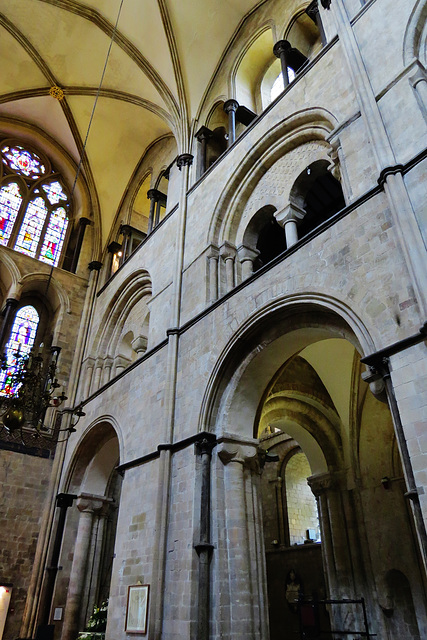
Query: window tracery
x=34, y=204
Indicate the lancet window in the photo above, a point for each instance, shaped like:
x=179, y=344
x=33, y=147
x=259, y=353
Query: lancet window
x=34, y=204
x=21, y=341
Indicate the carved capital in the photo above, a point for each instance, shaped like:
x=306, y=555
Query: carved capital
x=230, y=105
x=326, y=4
x=246, y=253
x=203, y=134
x=227, y=251
x=281, y=47
x=87, y=503
x=213, y=252
x=185, y=159
x=333, y=153
x=321, y=483
x=139, y=344
x=95, y=265
x=291, y=213
x=243, y=454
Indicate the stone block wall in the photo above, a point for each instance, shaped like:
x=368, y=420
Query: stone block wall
x=23, y=480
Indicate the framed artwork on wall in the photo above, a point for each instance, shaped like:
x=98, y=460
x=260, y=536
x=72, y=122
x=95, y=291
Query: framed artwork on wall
x=137, y=608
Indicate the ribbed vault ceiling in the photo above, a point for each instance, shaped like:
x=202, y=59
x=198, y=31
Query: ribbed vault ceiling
x=164, y=55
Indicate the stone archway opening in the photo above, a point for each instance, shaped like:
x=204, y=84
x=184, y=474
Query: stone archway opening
x=89, y=538
x=299, y=384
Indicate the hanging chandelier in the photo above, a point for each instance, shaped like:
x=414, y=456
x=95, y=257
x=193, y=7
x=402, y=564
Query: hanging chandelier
x=29, y=389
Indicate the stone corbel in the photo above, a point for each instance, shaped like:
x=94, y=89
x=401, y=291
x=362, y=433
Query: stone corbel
x=247, y=257
x=288, y=218
x=334, y=165
x=376, y=383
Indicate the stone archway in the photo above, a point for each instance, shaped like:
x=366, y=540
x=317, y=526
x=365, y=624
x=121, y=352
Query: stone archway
x=253, y=394
x=89, y=538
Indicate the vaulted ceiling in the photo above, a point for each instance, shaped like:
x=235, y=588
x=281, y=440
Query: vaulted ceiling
x=163, y=57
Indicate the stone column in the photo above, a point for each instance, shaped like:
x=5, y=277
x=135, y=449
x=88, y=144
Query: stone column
x=202, y=136
x=97, y=376
x=10, y=308
x=83, y=223
x=228, y=254
x=238, y=458
x=419, y=83
x=247, y=258
x=230, y=107
x=106, y=373
x=213, y=257
x=126, y=231
x=281, y=50
x=288, y=218
x=90, y=364
x=87, y=505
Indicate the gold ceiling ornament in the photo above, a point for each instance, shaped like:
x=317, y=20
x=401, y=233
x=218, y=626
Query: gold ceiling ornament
x=56, y=92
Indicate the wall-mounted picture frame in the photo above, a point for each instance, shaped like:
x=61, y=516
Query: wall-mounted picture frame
x=137, y=608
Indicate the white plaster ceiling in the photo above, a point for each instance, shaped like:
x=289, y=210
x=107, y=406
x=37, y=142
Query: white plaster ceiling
x=163, y=58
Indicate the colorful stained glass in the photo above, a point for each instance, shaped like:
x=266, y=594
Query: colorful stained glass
x=22, y=161
x=31, y=228
x=21, y=340
x=54, y=192
x=10, y=201
x=54, y=237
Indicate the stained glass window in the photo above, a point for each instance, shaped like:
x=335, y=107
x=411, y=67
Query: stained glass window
x=21, y=340
x=10, y=202
x=54, y=237
x=22, y=161
x=54, y=192
x=33, y=218
x=31, y=228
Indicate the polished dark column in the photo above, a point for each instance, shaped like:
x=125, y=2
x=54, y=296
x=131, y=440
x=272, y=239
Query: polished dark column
x=9, y=310
x=63, y=502
x=230, y=107
x=313, y=12
x=204, y=547
x=202, y=136
x=83, y=222
x=156, y=197
x=281, y=50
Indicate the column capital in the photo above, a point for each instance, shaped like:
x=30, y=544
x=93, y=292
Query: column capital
x=313, y=10
x=246, y=253
x=241, y=452
x=321, y=483
x=83, y=222
x=65, y=500
x=281, y=46
x=230, y=105
x=326, y=4
x=95, y=265
x=185, y=159
x=125, y=229
x=213, y=252
x=203, y=134
x=139, y=344
x=291, y=213
x=419, y=75
x=227, y=250
x=87, y=503
x=155, y=194
x=12, y=303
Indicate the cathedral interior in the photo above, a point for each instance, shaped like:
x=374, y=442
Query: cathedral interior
x=213, y=296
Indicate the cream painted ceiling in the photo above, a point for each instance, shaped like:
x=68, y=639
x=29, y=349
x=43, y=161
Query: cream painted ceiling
x=164, y=55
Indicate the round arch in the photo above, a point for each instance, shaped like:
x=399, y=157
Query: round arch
x=259, y=348
x=415, y=33
x=314, y=124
